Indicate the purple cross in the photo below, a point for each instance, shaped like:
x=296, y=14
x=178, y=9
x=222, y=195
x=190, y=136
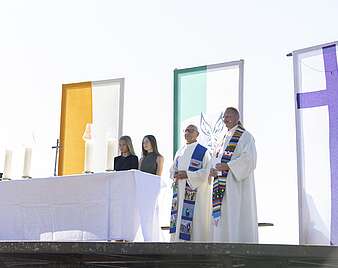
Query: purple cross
x=328, y=97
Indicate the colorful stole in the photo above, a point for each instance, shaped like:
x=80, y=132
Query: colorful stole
x=219, y=185
x=196, y=163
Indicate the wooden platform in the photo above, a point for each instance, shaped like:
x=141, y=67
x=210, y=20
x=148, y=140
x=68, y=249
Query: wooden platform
x=105, y=254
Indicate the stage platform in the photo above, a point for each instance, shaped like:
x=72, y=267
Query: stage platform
x=118, y=254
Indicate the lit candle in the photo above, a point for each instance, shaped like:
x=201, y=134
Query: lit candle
x=27, y=163
x=110, y=155
x=7, y=165
x=88, y=162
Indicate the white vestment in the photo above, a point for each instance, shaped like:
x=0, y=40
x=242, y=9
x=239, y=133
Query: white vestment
x=238, y=222
x=196, y=180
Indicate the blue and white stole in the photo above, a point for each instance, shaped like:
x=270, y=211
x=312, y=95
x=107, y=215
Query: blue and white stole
x=219, y=186
x=196, y=163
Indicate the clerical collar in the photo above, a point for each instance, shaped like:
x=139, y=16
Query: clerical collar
x=230, y=131
x=190, y=144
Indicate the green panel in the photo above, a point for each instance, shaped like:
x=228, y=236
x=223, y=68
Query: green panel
x=189, y=97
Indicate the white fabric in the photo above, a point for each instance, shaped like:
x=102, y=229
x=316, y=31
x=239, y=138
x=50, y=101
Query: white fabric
x=106, y=106
x=197, y=180
x=238, y=221
x=222, y=81
x=102, y=206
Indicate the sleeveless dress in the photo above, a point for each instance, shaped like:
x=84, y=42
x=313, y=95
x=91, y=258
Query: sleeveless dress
x=149, y=164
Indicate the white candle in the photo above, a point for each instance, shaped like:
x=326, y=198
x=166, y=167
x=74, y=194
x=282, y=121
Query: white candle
x=27, y=163
x=110, y=155
x=88, y=161
x=7, y=165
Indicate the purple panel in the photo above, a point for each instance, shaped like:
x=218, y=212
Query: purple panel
x=328, y=97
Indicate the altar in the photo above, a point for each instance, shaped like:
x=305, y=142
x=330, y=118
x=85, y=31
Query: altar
x=86, y=207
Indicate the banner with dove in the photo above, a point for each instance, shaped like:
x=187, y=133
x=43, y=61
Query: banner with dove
x=316, y=104
x=201, y=95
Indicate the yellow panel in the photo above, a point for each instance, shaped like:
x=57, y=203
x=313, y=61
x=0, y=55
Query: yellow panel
x=76, y=112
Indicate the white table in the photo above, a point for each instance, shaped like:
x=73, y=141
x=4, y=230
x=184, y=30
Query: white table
x=101, y=206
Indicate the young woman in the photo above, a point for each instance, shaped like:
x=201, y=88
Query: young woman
x=127, y=160
x=152, y=160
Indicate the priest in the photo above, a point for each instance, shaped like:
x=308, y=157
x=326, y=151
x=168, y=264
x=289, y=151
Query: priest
x=234, y=212
x=191, y=204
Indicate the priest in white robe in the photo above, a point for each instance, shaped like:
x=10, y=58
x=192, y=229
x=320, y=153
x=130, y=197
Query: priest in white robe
x=191, y=207
x=234, y=211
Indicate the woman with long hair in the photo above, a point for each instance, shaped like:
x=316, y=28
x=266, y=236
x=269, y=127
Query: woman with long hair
x=151, y=161
x=127, y=160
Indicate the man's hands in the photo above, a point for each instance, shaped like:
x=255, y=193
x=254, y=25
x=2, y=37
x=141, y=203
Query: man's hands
x=181, y=175
x=213, y=172
x=222, y=167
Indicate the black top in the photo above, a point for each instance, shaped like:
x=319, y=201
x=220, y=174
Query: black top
x=149, y=163
x=125, y=162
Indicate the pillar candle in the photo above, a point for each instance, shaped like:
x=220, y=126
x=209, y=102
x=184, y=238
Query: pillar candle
x=88, y=161
x=7, y=165
x=110, y=155
x=27, y=163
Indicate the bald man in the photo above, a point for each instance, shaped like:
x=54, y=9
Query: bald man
x=191, y=204
x=234, y=212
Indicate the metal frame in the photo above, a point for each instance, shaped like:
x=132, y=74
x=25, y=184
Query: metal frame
x=299, y=146
x=175, y=116
x=299, y=130
x=241, y=89
x=308, y=49
x=239, y=63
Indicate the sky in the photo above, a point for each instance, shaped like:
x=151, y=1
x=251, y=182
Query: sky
x=47, y=43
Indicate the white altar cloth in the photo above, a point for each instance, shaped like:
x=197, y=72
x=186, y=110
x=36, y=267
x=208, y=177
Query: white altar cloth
x=94, y=207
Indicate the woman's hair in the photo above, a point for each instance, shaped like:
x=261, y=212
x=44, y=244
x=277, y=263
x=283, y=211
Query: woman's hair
x=153, y=143
x=129, y=143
